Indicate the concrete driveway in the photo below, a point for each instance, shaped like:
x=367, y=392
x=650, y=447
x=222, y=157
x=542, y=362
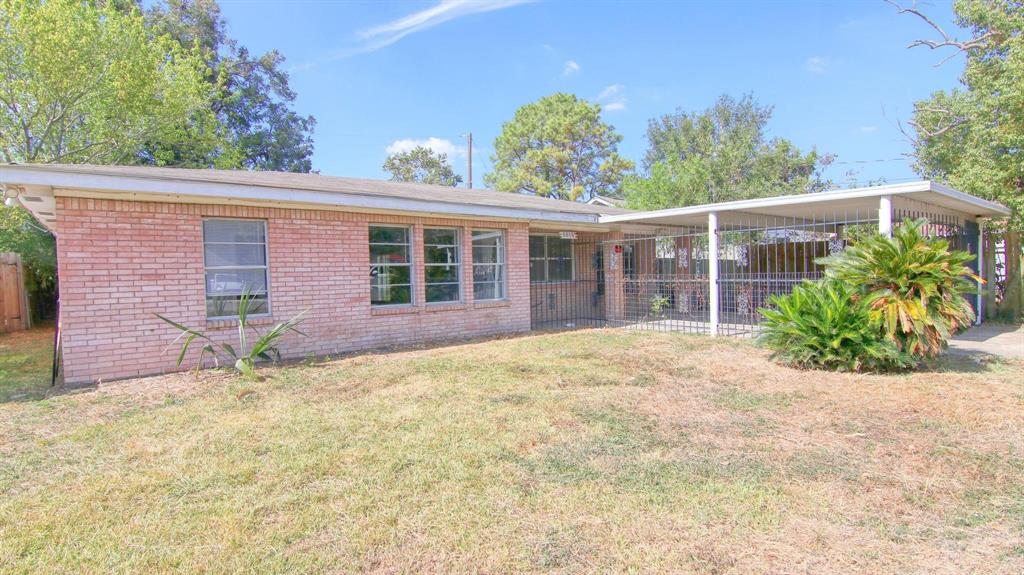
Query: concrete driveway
x=1004, y=340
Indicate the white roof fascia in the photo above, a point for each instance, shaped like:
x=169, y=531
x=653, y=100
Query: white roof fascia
x=175, y=189
x=820, y=197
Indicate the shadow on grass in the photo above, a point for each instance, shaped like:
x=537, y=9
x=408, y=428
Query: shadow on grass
x=966, y=362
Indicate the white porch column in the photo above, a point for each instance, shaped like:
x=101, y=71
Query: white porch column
x=885, y=215
x=713, y=269
x=980, y=298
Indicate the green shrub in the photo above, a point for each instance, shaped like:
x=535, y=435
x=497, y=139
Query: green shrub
x=827, y=325
x=245, y=357
x=913, y=285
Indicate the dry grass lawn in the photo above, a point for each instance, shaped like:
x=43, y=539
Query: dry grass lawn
x=592, y=451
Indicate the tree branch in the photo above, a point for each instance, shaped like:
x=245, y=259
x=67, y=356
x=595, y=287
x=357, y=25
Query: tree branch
x=947, y=40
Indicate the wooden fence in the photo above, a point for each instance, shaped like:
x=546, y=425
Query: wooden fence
x=14, y=311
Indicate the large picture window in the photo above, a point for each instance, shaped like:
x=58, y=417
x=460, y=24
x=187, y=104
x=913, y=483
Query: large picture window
x=442, y=265
x=550, y=259
x=488, y=264
x=235, y=254
x=390, y=265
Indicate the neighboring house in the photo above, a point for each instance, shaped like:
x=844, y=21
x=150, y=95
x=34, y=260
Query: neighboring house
x=599, y=200
x=383, y=263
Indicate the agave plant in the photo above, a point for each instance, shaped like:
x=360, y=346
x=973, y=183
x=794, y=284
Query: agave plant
x=243, y=358
x=826, y=325
x=914, y=286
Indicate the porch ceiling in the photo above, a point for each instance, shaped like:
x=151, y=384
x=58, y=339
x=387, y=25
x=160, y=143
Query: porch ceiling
x=836, y=205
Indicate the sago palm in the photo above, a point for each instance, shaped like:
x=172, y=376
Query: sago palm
x=244, y=359
x=914, y=285
x=825, y=325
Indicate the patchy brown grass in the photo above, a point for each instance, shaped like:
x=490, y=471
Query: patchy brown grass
x=590, y=451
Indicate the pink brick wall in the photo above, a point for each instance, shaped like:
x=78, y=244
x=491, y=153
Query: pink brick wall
x=122, y=261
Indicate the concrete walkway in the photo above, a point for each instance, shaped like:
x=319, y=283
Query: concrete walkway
x=999, y=339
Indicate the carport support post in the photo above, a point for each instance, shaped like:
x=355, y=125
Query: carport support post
x=885, y=216
x=713, y=269
x=979, y=306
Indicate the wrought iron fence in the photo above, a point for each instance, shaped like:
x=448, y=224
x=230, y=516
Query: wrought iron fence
x=662, y=281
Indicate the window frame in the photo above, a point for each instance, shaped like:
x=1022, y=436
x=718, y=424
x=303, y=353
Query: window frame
x=501, y=264
x=411, y=263
x=458, y=266
x=265, y=267
x=546, y=258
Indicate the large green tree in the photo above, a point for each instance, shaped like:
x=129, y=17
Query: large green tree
x=256, y=126
x=973, y=136
x=558, y=147
x=422, y=165
x=720, y=154
x=84, y=82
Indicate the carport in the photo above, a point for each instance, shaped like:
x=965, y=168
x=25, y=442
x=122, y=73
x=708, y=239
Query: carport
x=708, y=268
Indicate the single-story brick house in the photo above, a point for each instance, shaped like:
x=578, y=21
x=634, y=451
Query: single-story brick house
x=381, y=263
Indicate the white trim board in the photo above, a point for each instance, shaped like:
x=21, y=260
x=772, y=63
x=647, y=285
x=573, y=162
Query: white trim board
x=188, y=191
x=817, y=203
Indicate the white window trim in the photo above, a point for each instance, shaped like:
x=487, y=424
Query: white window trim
x=410, y=233
x=458, y=265
x=265, y=267
x=547, y=258
x=501, y=264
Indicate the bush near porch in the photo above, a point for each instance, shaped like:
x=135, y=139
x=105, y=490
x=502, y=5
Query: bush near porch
x=593, y=451
x=885, y=303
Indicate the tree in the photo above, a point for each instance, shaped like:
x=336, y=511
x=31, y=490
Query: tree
x=972, y=137
x=558, y=147
x=422, y=165
x=84, y=83
x=21, y=234
x=720, y=154
x=256, y=127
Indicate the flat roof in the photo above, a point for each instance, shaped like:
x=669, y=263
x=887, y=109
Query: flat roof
x=817, y=205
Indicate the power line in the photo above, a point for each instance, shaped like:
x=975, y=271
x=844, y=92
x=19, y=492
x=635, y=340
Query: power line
x=901, y=159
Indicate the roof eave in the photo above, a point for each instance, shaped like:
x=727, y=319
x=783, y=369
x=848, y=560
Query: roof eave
x=985, y=207
x=148, y=188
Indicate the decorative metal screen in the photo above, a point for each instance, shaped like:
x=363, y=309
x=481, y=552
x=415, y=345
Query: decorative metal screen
x=660, y=281
x=567, y=288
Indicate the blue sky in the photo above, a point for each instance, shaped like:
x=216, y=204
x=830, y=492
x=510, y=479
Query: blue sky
x=384, y=75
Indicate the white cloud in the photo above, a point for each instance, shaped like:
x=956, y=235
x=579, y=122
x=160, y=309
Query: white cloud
x=613, y=98
x=570, y=68
x=816, y=64
x=386, y=34
x=867, y=129
x=439, y=145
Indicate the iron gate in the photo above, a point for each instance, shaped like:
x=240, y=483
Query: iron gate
x=567, y=282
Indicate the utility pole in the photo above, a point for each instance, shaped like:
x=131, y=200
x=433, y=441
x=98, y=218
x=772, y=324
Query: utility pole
x=469, y=161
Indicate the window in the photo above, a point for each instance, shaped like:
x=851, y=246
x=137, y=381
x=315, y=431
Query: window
x=628, y=262
x=235, y=252
x=442, y=265
x=390, y=265
x=488, y=264
x=551, y=259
